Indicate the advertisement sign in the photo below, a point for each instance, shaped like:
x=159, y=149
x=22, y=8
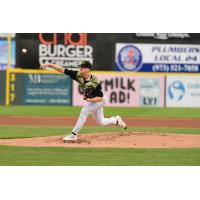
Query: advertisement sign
x=152, y=91
x=65, y=49
x=67, y=52
x=183, y=91
x=157, y=57
x=4, y=54
x=121, y=90
x=47, y=89
x=127, y=90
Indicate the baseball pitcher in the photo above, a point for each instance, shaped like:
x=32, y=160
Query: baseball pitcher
x=93, y=95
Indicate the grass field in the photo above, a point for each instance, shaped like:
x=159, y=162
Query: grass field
x=98, y=156
x=126, y=112
x=7, y=132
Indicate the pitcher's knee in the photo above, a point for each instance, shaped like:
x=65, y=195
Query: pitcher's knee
x=84, y=112
x=101, y=122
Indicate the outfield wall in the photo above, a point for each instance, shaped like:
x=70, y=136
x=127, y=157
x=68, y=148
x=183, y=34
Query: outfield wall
x=127, y=89
x=2, y=86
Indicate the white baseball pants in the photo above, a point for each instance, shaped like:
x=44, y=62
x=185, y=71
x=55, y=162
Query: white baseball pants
x=96, y=109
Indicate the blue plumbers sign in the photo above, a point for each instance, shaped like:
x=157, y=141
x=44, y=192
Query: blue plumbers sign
x=157, y=57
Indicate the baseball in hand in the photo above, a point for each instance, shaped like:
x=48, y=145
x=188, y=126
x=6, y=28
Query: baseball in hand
x=24, y=50
x=42, y=67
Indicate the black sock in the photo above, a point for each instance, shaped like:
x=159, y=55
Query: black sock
x=74, y=133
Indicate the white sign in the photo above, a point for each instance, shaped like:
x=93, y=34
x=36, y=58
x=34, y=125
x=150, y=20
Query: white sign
x=183, y=91
x=152, y=91
x=157, y=57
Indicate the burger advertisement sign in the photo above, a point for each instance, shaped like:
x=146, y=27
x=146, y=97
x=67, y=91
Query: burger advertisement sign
x=67, y=52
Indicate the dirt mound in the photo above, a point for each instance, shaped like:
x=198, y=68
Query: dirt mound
x=113, y=140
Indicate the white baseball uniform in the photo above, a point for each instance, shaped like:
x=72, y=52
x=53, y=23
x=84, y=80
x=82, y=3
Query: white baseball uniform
x=94, y=108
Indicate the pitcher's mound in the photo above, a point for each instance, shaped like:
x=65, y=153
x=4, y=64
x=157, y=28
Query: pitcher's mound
x=113, y=140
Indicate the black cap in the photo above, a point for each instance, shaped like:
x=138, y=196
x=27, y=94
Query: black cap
x=85, y=64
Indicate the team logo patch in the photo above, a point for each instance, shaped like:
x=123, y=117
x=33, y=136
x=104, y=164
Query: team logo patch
x=176, y=90
x=129, y=58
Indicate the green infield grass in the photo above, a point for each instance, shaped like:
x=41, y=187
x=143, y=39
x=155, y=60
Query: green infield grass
x=7, y=132
x=74, y=111
x=56, y=156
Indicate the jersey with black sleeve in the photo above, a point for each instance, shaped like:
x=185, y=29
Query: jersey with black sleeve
x=94, y=84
